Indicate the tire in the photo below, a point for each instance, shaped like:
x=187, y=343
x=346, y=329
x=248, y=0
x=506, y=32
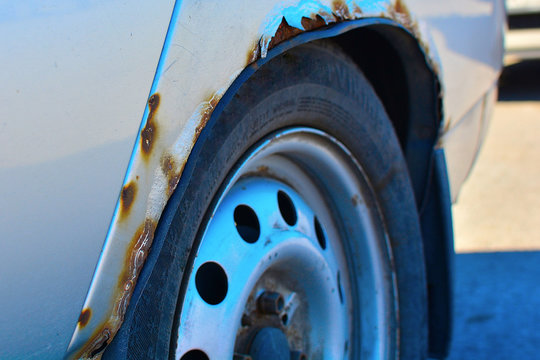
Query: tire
x=299, y=190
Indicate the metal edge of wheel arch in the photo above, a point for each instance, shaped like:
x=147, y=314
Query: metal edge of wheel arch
x=331, y=30
x=120, y=342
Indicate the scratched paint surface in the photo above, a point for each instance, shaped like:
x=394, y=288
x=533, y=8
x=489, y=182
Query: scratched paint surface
x=190, y=81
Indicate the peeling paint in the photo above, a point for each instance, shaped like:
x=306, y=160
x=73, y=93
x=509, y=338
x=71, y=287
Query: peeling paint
x=311, y=15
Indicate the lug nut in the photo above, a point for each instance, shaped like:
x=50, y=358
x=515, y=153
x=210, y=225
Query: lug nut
x=270, y=302
x=298, y=355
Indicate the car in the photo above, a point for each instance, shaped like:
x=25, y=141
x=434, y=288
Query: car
x=232, y=179
x=523, y=35
x=522, y=7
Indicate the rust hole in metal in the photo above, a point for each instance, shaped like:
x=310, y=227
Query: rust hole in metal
x=129, y=192
x=149, y=132
x=84, y=318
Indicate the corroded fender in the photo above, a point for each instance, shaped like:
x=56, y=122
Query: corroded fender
x=208, y=45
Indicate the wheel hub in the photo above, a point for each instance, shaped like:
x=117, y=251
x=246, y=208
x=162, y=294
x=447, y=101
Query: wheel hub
x=271, y=275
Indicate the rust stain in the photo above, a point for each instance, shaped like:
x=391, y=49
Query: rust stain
x=149, y=132
x=136, y=254
x=84, y=318
x=129, y=192
x=357, y=10
x=172, y=171
x=400, y=7
x=253, y=54
x=313, y=23
x=134, y=259
x=399, y=11
x=284, y=32
x=211, y=104
x=97, y=343
x=341, y=10
x=138, y=248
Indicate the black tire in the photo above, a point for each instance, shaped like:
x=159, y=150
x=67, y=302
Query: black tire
x=344, y=105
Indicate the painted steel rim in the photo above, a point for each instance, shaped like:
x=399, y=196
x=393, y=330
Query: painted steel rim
x=294, y=258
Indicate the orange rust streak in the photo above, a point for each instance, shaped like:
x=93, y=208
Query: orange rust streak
x=136, y=254
x=84, y=318
x=171, y=171
x=401, y=8
x=134, y=259
x=150, y=131
x=129, y=192
x=253, y=54
x=211, y=104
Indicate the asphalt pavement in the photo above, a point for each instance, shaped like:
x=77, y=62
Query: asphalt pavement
x=497, y=231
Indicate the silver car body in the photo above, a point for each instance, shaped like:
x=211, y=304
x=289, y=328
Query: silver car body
x=79, y=201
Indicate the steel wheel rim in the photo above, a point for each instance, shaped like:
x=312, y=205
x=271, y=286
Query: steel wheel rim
x=342, y=287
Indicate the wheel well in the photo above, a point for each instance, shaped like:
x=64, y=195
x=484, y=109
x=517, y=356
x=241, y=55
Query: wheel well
x=408, y=87
x=396, y=66
x=384, y=70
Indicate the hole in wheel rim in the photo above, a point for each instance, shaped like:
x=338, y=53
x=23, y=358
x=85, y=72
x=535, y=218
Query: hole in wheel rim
x=211, y=283
x=340, y=291
x=287, y=208
x=321, y=238
x=247, y=223
x=195, y=355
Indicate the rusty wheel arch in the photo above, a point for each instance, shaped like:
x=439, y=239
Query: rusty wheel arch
x=399, y=69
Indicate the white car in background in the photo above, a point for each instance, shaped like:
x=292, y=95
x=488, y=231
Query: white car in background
x=516, y=7
x=523, y=36
x=236, y=179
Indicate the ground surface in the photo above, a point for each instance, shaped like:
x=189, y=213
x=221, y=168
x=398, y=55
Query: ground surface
x=497, y=231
